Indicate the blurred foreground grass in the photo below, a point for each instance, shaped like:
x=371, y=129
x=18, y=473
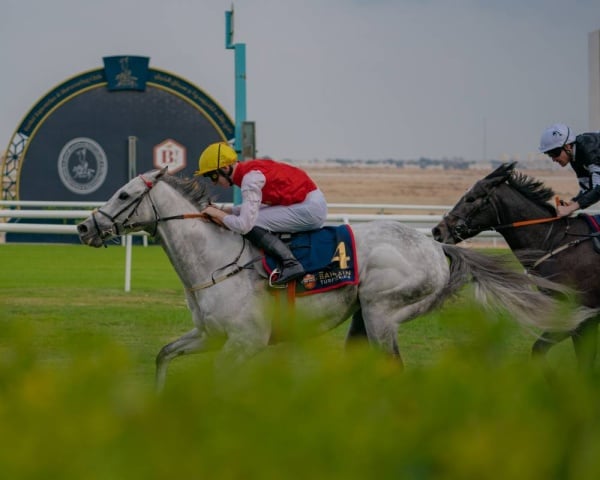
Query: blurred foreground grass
x=76, y=397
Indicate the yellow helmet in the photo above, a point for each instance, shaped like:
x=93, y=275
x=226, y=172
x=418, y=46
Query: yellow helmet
x=215, y=156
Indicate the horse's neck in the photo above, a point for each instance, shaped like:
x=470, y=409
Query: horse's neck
x=515, y=207
x=197, y=251
x=195, y=248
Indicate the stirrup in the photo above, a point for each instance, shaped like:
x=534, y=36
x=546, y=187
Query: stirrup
x=274, y=273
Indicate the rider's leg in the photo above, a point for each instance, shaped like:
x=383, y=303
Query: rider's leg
x=290, y=267
x=310, y=214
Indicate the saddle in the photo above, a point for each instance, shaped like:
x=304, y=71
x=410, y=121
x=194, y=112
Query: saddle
x=594, y=224
x=328, y=256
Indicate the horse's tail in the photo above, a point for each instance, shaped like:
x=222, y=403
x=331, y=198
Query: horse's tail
x=500, y=286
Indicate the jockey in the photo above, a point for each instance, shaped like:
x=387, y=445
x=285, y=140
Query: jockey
x=582, y=151
x=276, y=197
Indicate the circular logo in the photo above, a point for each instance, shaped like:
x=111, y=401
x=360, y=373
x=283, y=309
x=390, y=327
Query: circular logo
x=82, y=165
x=309, y=281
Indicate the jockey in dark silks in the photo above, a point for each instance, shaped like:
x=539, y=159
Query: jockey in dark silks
x=582, y=152
x=276, y=197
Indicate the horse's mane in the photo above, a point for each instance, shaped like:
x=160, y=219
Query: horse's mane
x=533, y=189
x=190, y=188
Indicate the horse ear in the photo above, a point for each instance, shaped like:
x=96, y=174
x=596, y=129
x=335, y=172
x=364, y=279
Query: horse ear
x=162, y=172
x=502, y=172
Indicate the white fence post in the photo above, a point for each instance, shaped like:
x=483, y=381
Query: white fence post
x=128, y=253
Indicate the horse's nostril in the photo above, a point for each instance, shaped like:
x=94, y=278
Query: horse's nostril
x=435, y=231
x=81, y=228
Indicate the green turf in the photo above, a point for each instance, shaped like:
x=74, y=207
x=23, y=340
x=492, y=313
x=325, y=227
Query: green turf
x=76, y=398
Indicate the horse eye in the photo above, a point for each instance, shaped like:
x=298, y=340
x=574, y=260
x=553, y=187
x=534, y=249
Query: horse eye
x=123, y=196
x=469, y=199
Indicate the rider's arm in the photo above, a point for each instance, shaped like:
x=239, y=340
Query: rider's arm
x=585, y=199
x=590, y=195
x=586, y=165
x=251, y=186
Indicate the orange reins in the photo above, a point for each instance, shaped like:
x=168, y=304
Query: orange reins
x=524, y=223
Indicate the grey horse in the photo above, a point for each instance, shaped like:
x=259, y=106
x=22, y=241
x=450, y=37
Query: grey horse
x=402, y=273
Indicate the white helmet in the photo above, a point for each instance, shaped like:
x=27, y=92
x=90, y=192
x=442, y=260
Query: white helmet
x=556, y=136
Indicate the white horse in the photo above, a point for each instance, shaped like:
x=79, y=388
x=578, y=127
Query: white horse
x=402, y=274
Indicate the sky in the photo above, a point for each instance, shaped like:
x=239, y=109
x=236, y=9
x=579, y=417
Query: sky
x=356, y=79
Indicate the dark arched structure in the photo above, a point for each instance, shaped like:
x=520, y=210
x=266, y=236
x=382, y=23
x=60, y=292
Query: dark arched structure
x=78, y=141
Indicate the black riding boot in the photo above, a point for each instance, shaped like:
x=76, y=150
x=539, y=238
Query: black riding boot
x=271, y=244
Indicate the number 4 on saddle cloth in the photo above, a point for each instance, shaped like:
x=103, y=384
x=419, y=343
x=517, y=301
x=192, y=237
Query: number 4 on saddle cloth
x=328, y=256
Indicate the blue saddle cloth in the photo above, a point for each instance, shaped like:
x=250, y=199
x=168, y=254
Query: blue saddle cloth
x=328, y=256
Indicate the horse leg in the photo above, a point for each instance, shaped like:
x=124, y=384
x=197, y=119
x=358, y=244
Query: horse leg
x=381, y=334
x=357, y=330
x=545, y=342
x=192, y=342
x=239, y=348
x=585, y=342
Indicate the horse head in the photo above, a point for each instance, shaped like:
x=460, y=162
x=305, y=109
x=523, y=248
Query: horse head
x=130, y=209
x=475, y=211
x=495, y=203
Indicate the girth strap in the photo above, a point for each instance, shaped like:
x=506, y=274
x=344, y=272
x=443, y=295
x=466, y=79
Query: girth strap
x=213, y=281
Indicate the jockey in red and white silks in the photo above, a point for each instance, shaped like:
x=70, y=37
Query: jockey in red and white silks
x=276, y=197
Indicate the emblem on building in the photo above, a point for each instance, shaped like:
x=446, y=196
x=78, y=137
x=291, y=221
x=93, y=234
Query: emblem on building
x=126, y=72
x=125, y=78
x=171, y=154
x=82, y=165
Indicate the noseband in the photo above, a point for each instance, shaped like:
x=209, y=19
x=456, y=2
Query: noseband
x=131, y=207
x=463, y=229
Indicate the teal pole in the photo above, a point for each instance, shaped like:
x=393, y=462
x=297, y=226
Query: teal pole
x=239, y=50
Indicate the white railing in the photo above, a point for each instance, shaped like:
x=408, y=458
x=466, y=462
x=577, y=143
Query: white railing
x=44, y=203
x=65, y=210
x=381, y=208
x=57, y=210
x=342, y=217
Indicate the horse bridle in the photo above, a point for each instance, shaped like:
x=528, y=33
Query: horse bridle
x=463, y=229
x=131, y=207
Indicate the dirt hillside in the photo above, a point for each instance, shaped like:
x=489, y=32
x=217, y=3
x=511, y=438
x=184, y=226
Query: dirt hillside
x=416, y=186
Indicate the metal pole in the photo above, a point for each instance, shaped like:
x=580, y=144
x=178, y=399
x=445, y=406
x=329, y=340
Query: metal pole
x=131, y=162
x=128, y=252
x=132, y=156
x=239, y=50
x=594, y=82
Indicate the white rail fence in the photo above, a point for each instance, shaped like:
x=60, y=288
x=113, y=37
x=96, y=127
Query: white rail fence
x=9, y=209
x=423, y=222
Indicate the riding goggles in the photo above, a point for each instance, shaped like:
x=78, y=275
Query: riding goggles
x=213, y=175
x=555, y=152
